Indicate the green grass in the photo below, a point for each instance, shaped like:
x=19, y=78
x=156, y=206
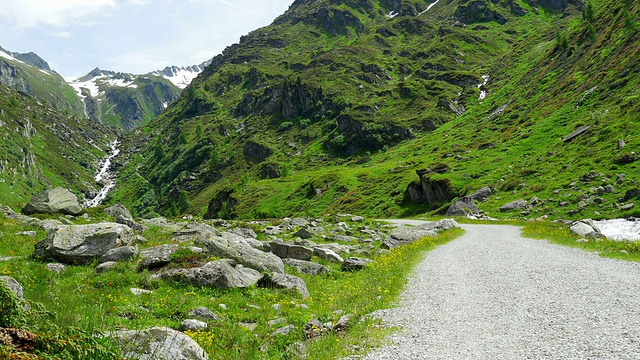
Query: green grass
x=65, y=297
x=559, y=233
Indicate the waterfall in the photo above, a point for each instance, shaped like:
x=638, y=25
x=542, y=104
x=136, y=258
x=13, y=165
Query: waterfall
x=104, y=177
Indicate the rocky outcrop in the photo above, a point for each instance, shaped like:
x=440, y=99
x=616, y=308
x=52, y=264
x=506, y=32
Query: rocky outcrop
x=482, y=194
x=56, y=201
x=428, y=190
x=158, y=343
x=241, y=252
x=80, y=244
x=256, y=151
x=222, y=274
x=514, y=205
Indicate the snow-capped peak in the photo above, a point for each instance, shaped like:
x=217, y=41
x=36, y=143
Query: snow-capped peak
x=180, y=76
x=96, y=77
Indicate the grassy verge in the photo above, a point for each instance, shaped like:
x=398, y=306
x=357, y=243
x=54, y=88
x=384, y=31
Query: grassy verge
x=559, y=233
x=87, y=303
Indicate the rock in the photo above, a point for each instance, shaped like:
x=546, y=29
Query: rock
x=27, y=233
x=407, y=234
x=248, y=326
x=609, y=189
x=138, y=292
x=242, y=253
x=118, y=210
x=157, y=256
x=463, y=207
x=626, y=207
x=203, y=313
x=307, y=267
x=13, y=285
x=514, y=205
x=273, y=230
x=119, y=254
x=277, y=321
x=314, y=328
x=328, y=255
x=58, y=200
x=105, y=266
x=56, y=267
x=283, y=251
x=244, y=232
x=587, y=229
x=303, y=233
x=139, y=228
x=284, y=330
x=355, y=264
x=357, y=219
x=283, y=281
x=254, y=243
x=390, y=243
x=482, y=194
x=193, y=325
x=342, y=323
x=80, y=244
x=158, y=343
x=223, y=274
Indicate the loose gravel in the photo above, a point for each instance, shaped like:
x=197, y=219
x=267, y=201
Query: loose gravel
x=492, y=294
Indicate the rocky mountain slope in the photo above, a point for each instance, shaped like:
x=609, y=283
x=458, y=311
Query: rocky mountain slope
x=32, y=75
x=337, y=105
x=41, y=148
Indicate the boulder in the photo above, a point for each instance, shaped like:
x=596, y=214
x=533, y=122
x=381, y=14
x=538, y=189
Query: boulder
x=514, y=205
x=587, y=229
x=121, y=219
x=119, y=254
x=118, y=210
x=407, y=234
x=463, y=207
x=328, y=255
x=283, y=251
x=244, y=232
x=481, y=195
x=13, y=285
x=56, y=201
x=158, y=343
x=355, y=264
x=242, y=253
x=203, y=313
x=307, y=267
x=223, y=274
x=283, y=281
x=56, y=267
x=157, y=256
x=304, y=233
x=105, y=266
x=251, y=241
x=80, y=244
x=193, y=325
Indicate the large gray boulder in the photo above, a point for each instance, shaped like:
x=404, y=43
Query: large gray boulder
x=283, y=281
x=119, y=254
x=482, y=194
x=328, y=255
x=463, y=207
x=80, y=244
x=157, y=256
x=158, y=343
x=242, y=253
x=56, y=201
x=307, y=267
x=514, y=205
x=222, y=274
x=118, y=210
x=283, y=251
x=13, y=285
x=587, y=229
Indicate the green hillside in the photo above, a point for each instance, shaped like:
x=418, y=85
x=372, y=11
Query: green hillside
x=41, y=148
x=336, y=105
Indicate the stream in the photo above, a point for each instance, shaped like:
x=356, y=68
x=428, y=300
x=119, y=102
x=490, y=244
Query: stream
x=104, y=177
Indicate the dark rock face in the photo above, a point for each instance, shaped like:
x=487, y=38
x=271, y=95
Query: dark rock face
x=256, y=151
x=478, y=11
x=270, y=171
x=430, y=191
x=222, y=203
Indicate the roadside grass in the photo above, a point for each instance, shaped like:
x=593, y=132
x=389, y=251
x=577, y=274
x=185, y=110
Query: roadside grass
x=79, y=301
x=559, y=233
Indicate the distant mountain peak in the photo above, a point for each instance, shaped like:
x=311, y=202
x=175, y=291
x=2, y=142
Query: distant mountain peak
x=29, y=58
x=181, y=76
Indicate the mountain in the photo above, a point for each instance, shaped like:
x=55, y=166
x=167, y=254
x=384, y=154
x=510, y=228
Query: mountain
x=32, y=75
x=397, y=108
x=181, y=76
x=124, y=100
x=42, y=148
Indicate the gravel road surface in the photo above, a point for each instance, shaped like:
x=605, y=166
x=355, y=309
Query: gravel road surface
x=492, y=294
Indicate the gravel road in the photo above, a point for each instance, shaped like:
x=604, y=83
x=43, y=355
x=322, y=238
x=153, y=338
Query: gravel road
x=492, y=294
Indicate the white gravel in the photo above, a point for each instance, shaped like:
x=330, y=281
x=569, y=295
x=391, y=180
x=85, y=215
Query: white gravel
x=492, y=294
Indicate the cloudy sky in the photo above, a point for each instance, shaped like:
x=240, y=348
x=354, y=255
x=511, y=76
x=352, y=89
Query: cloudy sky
x=136, y=36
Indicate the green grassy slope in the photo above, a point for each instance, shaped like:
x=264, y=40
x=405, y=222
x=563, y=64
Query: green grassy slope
x=337, y=104
x=41, y=148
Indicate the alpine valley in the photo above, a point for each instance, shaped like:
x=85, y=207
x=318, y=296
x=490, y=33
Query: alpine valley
x=376, y=107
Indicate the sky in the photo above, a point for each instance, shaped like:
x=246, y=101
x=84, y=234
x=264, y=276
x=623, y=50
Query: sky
x=133, y=36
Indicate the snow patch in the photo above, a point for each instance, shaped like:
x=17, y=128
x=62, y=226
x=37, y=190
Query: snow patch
x=392, y=14
x=483, y=93
x=9, y=57
x=181, y=77
x=121, y=83
x=619, y=229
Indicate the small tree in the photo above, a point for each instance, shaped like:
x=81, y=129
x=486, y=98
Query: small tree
x=587, y=12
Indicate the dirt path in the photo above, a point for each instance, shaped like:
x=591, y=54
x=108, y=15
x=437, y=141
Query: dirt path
x=492, y=294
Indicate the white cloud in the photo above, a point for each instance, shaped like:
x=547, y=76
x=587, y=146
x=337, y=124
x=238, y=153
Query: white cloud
x=59, y=13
